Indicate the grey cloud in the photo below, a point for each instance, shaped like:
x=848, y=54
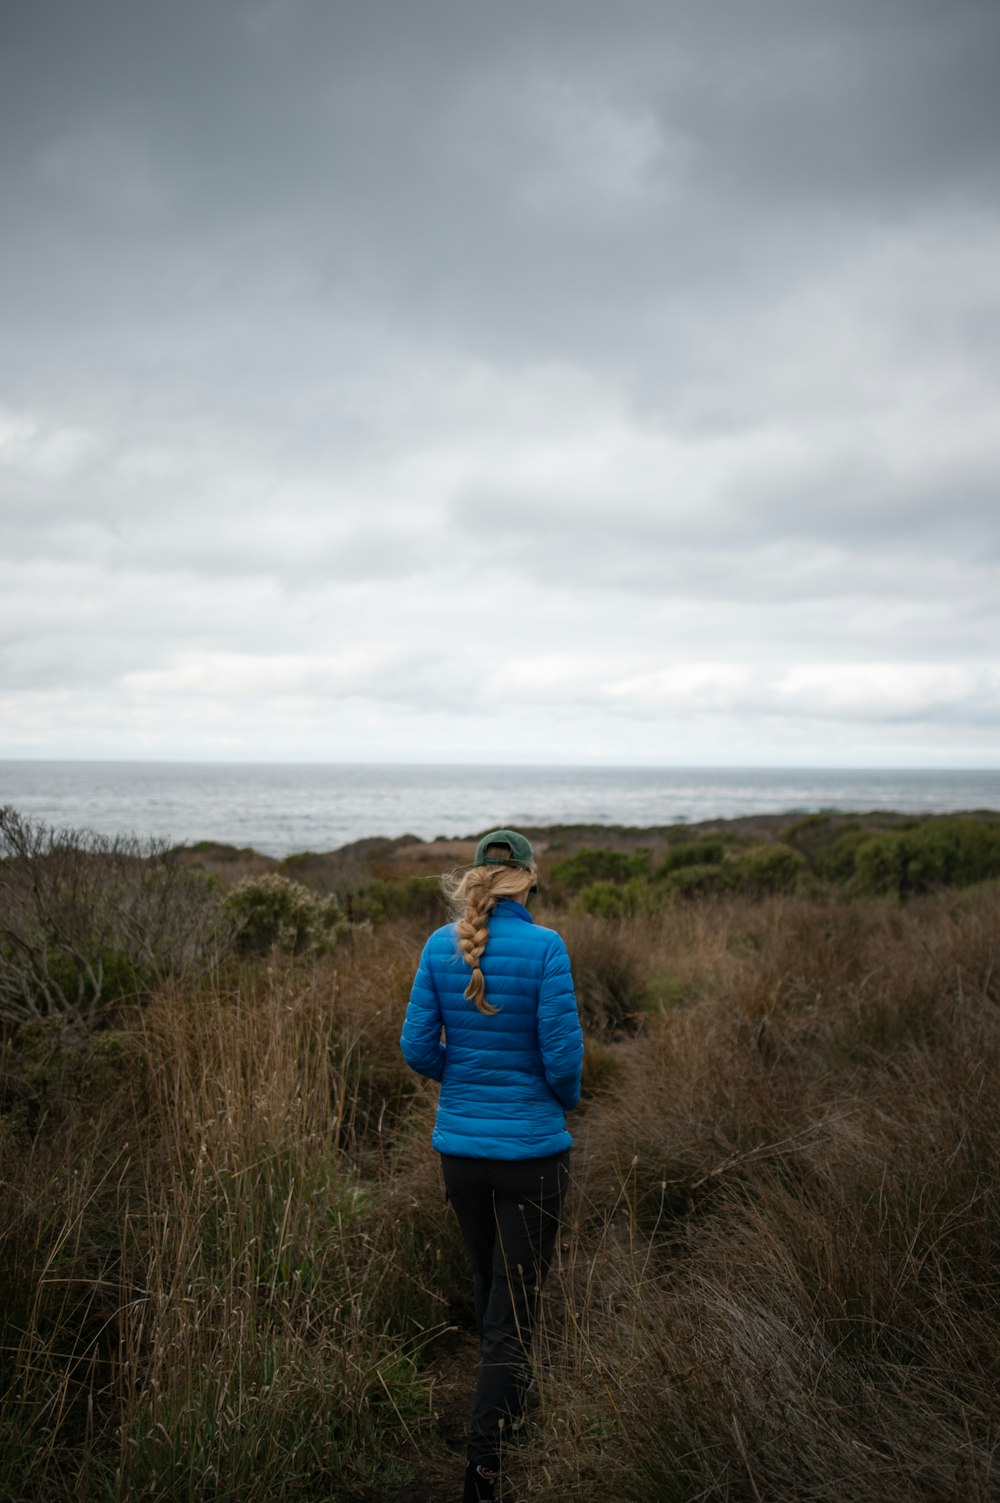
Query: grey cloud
x=419, y=129
x=673, y=327
x=612, y=540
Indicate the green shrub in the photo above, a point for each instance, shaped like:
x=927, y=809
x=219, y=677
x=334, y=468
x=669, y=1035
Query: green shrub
x=694, y=881
x=976, y=846
x=691, y=853
x=590, y=866
x=953, y=853
x=602, y=899
x=272, y=913
x=880, y=865
x=608, y=900
x=836, y=861
x=766, y=869
x=53, y=1058
x=412, y=897
x=807, y=830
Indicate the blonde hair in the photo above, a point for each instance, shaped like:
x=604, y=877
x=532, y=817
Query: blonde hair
x=473, y=895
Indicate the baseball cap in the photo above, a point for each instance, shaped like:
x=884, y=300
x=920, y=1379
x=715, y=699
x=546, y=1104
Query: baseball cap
x=518, y=848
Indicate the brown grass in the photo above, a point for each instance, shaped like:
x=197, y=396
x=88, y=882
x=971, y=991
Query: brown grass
x=780, y=1279
x=229, y=1272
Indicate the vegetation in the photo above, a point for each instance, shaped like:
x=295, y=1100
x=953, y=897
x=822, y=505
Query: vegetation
x=596, y=865
x=272, y=912
x=227, y=1272
x=87, y=922
x=918, y=858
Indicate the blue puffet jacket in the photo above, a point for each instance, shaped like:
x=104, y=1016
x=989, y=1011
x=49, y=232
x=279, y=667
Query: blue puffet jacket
x=507, y=1078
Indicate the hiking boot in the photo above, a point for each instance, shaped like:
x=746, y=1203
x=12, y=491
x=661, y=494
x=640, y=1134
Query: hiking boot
x=480, y=1482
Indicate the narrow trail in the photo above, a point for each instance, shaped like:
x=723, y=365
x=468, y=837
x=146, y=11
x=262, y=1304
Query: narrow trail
x=438, y=1465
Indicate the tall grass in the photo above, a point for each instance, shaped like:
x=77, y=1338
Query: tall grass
x=228, y=1271
x=226, y=1303
x=780, y=1277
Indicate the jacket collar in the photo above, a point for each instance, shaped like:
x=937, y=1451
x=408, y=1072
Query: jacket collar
x=515, y=910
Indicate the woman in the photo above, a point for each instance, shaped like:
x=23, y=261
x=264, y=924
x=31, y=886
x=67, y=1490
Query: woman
x=500, y=987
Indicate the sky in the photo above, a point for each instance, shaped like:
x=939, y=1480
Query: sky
x=563, y=382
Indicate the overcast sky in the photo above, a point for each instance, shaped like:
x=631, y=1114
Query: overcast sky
x=449, y=380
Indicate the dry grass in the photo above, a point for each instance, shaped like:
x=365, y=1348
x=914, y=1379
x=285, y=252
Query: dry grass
x=227, y=1264
x=223, y=1304
x=780, y=1279
x=287, y=1307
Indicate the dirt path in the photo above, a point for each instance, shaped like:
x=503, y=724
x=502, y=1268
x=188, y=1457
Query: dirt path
x=438, y=1467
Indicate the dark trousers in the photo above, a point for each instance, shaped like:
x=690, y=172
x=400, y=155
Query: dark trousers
x=509, y=1214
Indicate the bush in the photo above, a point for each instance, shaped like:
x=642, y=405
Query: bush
x=412, y=897
x=880, y=865
x=691, y=853
x=766, y=869
x=87, y=920
x=608, y=900
x=51, y=1066
x=952, y=853
x=694, y=881
x=273, y=913
x=589, y=866
x=836, y=861
x=604, y=900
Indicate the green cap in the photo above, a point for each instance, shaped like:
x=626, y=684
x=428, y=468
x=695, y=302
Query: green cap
x=519, y=852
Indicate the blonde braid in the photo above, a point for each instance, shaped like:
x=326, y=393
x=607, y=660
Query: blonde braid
x=473, y=897
x=473, y=930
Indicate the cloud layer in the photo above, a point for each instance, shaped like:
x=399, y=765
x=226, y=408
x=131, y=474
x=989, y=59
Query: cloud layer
x=441, y=381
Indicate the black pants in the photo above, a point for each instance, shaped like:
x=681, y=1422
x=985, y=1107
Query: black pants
x=509, y=1215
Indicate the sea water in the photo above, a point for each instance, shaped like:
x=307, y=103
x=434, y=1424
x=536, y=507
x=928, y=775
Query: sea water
x=280, y=808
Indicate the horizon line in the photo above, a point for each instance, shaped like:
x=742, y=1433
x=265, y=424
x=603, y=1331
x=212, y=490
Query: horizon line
x=507, y=764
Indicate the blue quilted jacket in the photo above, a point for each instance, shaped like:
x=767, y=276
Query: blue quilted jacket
x=506, y=1079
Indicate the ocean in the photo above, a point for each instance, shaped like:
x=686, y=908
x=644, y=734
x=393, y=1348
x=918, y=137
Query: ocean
x=280, y=808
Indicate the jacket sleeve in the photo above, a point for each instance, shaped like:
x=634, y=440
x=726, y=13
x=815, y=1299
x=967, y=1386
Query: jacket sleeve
x=560, y=1036
x=420, y=1040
